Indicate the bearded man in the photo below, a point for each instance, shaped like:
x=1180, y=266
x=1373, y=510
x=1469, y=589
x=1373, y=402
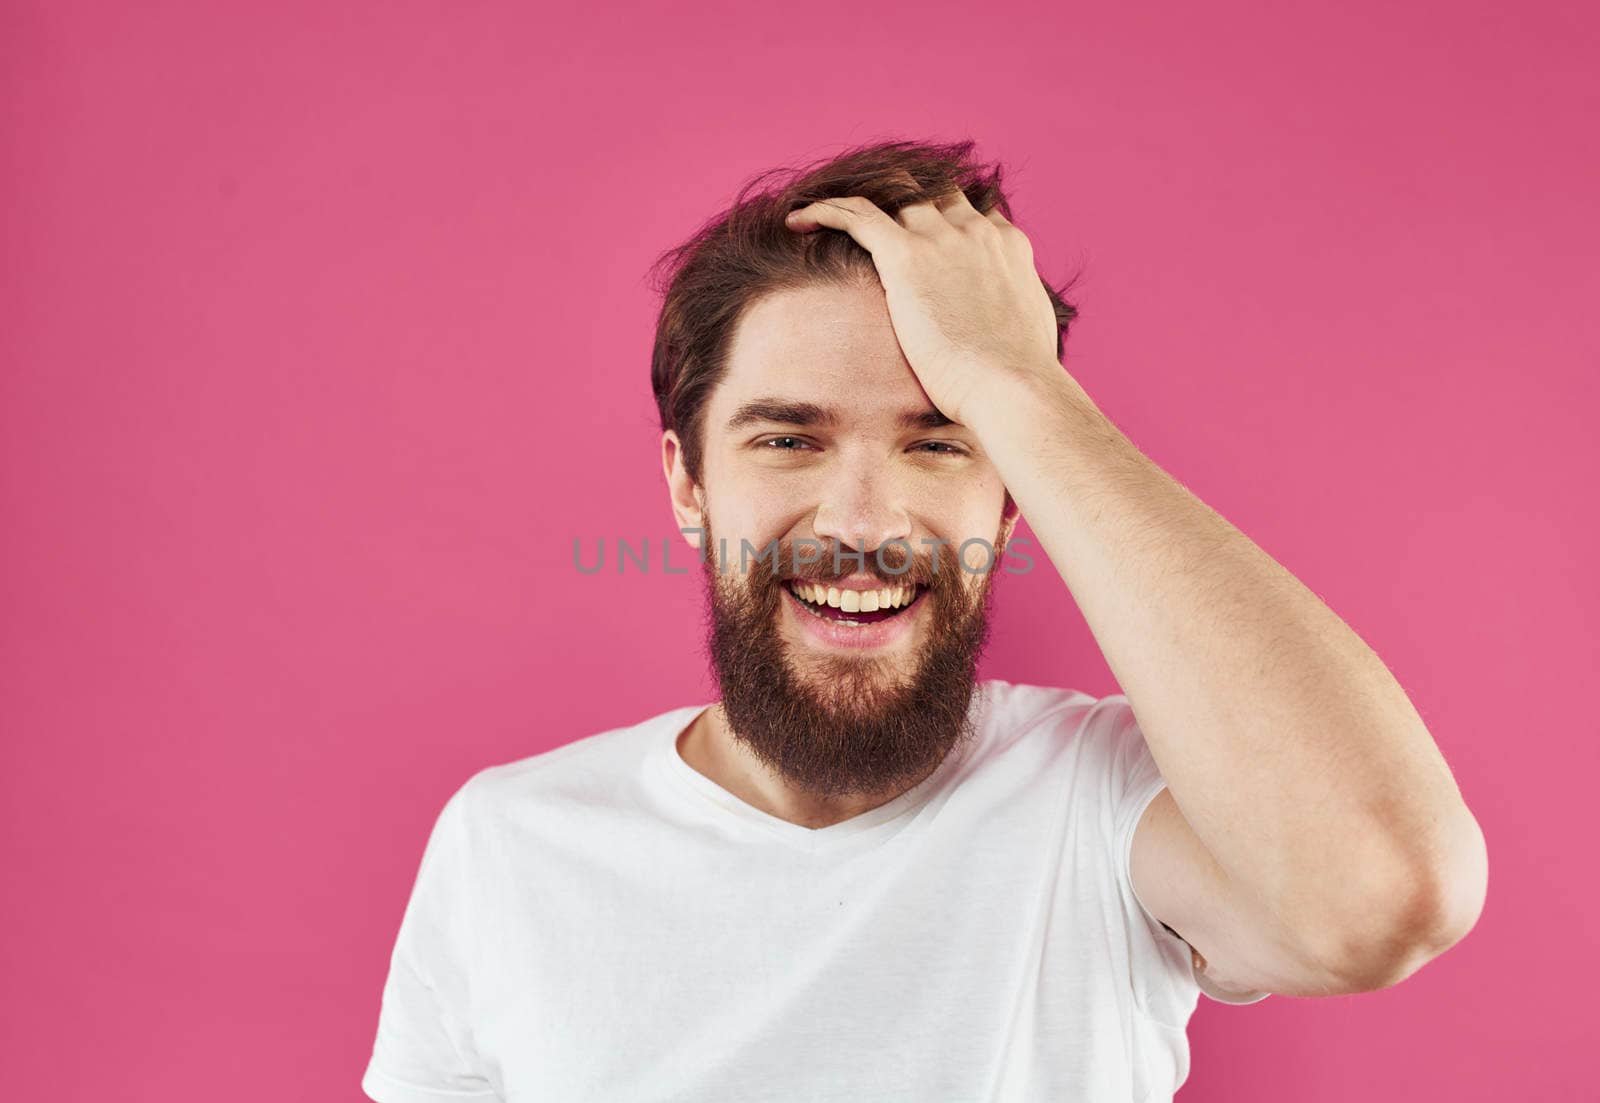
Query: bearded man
x=862, y=873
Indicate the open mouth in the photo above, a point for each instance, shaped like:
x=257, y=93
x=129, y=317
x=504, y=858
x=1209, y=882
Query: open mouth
x=854, y=606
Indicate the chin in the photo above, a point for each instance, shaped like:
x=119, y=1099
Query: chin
x=851, y=684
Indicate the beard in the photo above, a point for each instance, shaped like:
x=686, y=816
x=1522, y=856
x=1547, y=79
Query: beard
x=833, y=724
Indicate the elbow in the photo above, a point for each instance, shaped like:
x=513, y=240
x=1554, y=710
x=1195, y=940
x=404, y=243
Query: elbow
x=1462, y=885
x=1423, y=913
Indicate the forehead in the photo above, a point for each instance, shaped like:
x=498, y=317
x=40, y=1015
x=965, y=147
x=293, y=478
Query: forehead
x=820, y=343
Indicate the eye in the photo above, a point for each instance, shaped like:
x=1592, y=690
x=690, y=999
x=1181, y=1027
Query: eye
x=777, y=444
x=948, y=449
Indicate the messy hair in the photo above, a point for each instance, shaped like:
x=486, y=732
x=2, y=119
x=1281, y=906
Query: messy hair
x=747, y=252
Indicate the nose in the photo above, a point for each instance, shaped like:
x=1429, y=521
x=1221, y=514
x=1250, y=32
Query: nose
x=861, y=509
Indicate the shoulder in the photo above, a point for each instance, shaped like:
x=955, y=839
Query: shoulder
x=1095, y=739
x=586, y=772
x=1014, y=704
x=1017, y=709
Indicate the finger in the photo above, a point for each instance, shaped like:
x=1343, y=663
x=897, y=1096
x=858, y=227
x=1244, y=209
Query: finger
x=1011, y=231
x=1004, y=224
x=958, y=209
x=856, y=215
x=920, y=215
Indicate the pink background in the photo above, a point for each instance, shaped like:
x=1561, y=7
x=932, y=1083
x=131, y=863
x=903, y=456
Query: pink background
x=325, y=334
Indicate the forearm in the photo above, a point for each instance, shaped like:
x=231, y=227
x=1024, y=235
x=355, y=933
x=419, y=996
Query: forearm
x=1293, y=753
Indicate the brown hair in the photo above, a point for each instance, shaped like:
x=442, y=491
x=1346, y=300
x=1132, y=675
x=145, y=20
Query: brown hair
x=747, y=252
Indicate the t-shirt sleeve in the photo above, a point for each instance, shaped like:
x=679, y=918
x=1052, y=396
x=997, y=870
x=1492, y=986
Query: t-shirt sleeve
x=424, y=1049
x=1136, y=781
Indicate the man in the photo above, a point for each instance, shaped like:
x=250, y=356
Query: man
x=861, y=874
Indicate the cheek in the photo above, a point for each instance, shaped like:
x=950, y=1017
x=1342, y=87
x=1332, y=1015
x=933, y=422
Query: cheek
x=761, y=509
x=737, y=524
x=978, y=528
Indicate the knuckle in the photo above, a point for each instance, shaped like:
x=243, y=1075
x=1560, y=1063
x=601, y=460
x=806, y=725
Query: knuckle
x=1014, y=237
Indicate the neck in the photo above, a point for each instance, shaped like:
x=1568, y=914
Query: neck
x=710, y=747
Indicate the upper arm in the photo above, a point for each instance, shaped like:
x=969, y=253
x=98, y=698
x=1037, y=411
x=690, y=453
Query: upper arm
x=423, y=1051
x=1240, y=951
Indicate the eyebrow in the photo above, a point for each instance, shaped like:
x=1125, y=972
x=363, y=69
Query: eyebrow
x=806, y=414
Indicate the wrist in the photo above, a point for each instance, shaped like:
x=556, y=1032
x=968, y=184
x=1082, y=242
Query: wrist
x=1012, y=396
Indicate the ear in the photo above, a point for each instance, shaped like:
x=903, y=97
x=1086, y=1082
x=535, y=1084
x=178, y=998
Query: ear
x=688, y=501
x=1008, y=520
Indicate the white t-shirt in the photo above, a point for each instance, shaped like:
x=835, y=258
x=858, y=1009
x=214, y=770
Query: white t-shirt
x=601, y=922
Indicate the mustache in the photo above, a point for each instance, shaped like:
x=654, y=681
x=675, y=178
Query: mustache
x=909, y=577
x=888, y=565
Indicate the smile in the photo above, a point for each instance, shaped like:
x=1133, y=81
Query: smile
x=854, y=607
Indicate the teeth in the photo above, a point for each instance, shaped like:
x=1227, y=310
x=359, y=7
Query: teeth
x=854, y=601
